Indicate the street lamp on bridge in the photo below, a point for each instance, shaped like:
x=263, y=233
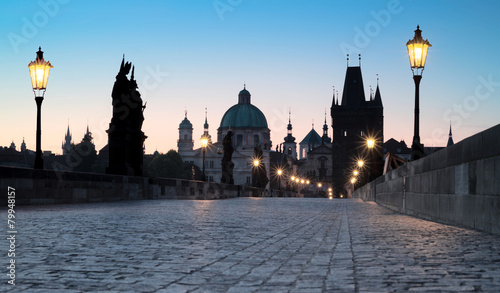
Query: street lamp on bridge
x=417, y=52
x=204, y=144
x=39, y=72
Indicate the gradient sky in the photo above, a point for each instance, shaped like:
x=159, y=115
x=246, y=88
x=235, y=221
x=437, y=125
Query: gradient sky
x=189, y=55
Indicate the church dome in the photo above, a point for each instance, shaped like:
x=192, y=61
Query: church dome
x=185, y=124
x=243, y=114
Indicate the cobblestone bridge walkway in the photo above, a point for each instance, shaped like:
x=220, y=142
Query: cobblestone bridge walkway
x=244, y=245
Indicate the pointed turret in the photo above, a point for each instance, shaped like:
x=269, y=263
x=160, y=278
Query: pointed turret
x=67, y=142
x=377, y=101
x=450, y=138
x=325, y=138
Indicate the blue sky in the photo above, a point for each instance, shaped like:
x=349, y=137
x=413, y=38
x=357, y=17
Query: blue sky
x=195, y=54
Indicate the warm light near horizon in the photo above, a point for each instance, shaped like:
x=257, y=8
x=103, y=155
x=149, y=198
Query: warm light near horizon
x=297, y=180
x=361, y=163
x=417, y=50
x=353, y=180
x=280, y=172
x=204, y=142
x=39, y=71
x=356, y=172
x=256, y=163
x=293, y=178
x=320, y=185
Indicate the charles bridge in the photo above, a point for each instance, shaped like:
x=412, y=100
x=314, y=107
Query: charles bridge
x=74, y=235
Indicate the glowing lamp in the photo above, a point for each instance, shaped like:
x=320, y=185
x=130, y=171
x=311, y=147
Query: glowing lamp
x=204, y=142
x=417, y=50
x=370, y=143
x=39, y=71
x=256, y=163
x=280, y=172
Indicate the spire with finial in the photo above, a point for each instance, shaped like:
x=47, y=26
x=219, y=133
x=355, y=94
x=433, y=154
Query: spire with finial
x=450, y=138
x=359, y=57
x=347, y=60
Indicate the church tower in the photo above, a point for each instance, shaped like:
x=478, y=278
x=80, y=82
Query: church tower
x=185, y=142
x=205, y=129
x=355, y=120
x=23, y=146
x=325, y=139
x=67, y=143
x=290, y=145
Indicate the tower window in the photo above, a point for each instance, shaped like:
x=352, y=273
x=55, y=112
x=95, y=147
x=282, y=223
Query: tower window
x=345, y=132
x=239, y=140
x=289, y=151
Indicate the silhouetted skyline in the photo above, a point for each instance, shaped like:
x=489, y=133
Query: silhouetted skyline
x=189, y=56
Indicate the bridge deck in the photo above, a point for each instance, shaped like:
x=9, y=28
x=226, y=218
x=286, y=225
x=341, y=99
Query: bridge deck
x=245, y=245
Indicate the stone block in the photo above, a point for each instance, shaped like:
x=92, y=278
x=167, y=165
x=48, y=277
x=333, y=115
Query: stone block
x=485, y=172
x=491, y=142
x=472, y=148
x=462, y=179
x=454, y=154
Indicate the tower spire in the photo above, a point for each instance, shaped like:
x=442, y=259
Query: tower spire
x=450, y=138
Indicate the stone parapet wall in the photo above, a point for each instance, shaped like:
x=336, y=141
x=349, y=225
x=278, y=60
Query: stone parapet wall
x=458, y=185
x=35, y=187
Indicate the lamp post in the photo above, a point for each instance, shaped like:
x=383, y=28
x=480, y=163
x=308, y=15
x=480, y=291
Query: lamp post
x=204, y=144
x=370, y=144
x=279, y=172
x=417, y=52
x=39, y=72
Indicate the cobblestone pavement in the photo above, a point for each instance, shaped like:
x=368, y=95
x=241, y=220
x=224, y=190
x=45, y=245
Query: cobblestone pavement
x=244, y=245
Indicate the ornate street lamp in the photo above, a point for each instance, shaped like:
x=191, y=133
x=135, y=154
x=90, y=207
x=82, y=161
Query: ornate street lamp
x=39, y=72
x=204, y=144
x=417, y=52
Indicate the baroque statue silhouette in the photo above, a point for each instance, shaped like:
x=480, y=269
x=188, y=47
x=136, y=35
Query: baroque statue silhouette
x=125, y=137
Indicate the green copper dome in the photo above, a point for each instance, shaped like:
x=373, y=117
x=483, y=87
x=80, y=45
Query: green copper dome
x=243, y=114
x=186, y=123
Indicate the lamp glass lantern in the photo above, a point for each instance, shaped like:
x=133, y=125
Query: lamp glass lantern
x=417, y=51
x=39, y=71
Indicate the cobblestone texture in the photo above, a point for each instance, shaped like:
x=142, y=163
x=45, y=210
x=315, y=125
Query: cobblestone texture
x=244, y=245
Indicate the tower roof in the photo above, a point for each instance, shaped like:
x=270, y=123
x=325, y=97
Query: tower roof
x=311, y=138
x=186, y=124
x=354, y=94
